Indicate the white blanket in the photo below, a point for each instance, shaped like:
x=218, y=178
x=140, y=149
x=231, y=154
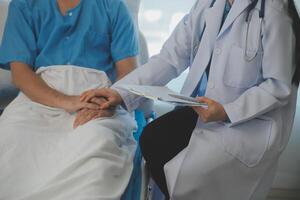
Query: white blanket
x=43, y=158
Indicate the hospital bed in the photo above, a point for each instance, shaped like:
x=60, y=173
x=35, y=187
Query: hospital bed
x=286, y=185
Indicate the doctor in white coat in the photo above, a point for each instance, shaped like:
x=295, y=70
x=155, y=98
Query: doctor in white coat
x=251, y=91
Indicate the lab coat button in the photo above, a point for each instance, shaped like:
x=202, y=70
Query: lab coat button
x=218, y=51
x=68, y=63
x=70, y=14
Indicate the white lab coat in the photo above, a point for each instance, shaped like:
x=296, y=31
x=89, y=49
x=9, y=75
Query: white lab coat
x=236, y=160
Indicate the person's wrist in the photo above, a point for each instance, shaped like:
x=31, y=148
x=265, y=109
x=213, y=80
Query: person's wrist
x=65, y=101
x=120, y=100
x=118, y=97
x=224, y=115
x=225, y=118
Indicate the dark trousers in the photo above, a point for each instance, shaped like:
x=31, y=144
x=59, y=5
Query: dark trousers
x=164, y=138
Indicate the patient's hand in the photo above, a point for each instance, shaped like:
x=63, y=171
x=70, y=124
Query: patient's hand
x=85, y=115
x=112, y=97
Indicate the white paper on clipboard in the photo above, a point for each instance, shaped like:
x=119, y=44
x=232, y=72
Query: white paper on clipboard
x=162, y=93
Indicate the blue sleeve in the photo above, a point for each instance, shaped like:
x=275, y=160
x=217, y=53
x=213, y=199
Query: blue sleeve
x=19, y=41
x=124, y=41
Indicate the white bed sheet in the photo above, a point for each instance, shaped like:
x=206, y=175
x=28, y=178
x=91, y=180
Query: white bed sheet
x=43, y=157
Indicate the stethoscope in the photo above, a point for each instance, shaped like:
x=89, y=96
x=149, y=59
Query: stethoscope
x=251, y=7
x=247, y=57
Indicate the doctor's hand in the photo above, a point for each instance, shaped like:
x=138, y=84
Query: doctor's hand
x=73, y=104
x=85, y=115
x=215, y=111
x=111, y=96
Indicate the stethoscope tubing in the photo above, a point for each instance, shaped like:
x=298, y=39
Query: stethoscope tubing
x=252, y=6
x=261, y=17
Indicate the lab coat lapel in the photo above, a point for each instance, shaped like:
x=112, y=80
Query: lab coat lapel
x=213, y=18
x=238, y=7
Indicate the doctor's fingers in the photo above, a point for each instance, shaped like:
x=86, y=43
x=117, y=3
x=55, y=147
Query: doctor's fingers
x=88, y=115
x=203, y=113
x=113, y=99
x=88, y=95
x=88, y=105
x=112, y=96
x=98, y=100
x=105, y=104
x=206, y=100
x=109, y=104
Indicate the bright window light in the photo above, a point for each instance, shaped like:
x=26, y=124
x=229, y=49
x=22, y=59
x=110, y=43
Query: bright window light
x=157, y=20
x=152, y=15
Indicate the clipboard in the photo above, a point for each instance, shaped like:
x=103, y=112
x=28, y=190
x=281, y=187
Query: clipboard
x=164, y=94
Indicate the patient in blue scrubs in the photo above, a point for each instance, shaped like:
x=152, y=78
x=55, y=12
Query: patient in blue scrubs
x=52, y=145
x=96, y=34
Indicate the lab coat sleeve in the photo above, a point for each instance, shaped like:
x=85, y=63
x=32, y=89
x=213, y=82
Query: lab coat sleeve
x=172, y=60
x=278, y=67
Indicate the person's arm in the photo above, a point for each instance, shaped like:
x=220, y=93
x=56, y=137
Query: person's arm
x=172, y=60
x=38, y=91
x=124, y=42
x=124, y=49
x=18, y=52
x=275, y=90
x=125, y=66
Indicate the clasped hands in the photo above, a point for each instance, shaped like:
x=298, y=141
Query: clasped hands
x=87, y=110
x=107, y=98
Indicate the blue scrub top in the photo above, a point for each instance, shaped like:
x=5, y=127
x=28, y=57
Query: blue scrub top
x=95, y=34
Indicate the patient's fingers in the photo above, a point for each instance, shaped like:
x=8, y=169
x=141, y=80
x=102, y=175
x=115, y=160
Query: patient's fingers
x=104, y=113
x=87, y=115
x=79, y=114
x=83, y=117
x=92, y=106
